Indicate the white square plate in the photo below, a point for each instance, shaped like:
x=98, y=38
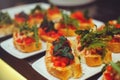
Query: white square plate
x=8, y=46
x=40, y=67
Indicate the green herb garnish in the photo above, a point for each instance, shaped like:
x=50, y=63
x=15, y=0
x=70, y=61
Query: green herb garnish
x=91, y=39
x=27, y=30
x=118, y=20
x=116, y=66
x=36, y=9
x=47, y=25
x=67, y=20
x=5, y=18
x=86, y=12
x=35, y=30
x=62, y=48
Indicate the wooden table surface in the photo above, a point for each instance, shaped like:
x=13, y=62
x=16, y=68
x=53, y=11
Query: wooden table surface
x=102, y=10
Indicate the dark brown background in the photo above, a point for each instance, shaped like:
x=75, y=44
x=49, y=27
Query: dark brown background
x=102, y=10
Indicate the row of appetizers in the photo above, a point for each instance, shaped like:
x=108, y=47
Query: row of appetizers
x=64, y=57
x=92, y=45
x=56, y=20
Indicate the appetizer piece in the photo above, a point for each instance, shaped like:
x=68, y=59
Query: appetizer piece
x=6, y=24
x=54, y=14
x=67, y=25
x=92, y=48
x=21, y=18
x=36, y=16
x=47, y=32
x=26, y=39
x=61, y=61
x=85, y=21
x=114, y=32
x=112, y=71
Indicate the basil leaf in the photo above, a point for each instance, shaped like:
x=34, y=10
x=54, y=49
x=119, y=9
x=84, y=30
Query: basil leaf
x=115, y=66
x=47, y=25
x=5, y=18
x=66, y=53
x=62, y=48
x=37, y=8
x=69, y=21
x=35, y=30
x=86, y=12
x=118, y=20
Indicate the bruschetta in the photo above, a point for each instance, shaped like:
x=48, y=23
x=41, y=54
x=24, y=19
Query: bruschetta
x=92, y=48
x=26, y=39
x=61, y=61
x=47, y=31
x=6, y=24
x=112, y=71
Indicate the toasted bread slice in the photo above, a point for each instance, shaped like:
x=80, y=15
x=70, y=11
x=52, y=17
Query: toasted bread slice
x=92, y=59
x=66, y=30
x=114, y=47
x=26, y=48
x=63, y=73
x=47, y=38
x=6, y=29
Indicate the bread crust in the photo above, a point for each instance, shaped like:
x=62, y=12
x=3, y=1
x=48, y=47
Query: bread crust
x=6, y=29
x=63, y=73
x=68, y=32
x=93, y=59
x=26, y=48
x=47, y=38
x=114, y=47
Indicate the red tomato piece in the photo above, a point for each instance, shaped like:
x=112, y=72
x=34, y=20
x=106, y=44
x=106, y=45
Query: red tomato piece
x=118, y=26
x=19, y=40
x=57, y=63
x=109, y=68
x=63, y=64
x=28, y=40
x=108, y=76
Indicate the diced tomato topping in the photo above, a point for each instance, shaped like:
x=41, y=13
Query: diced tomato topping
x=36, y=15
x=28, y=40
x=115, y=39
x=52, y=34
x=80, y=16
x=65, y=60
x=19, y=19
x=66, y=26
x=117, y=26
x=61, y=61
x=19, y=40
x=54, y=10
x=108, y=76
x=109, y=68
x=57, y=63
x=63, y=64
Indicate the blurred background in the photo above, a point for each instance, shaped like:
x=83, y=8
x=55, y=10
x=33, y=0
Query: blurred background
x=103, y=10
